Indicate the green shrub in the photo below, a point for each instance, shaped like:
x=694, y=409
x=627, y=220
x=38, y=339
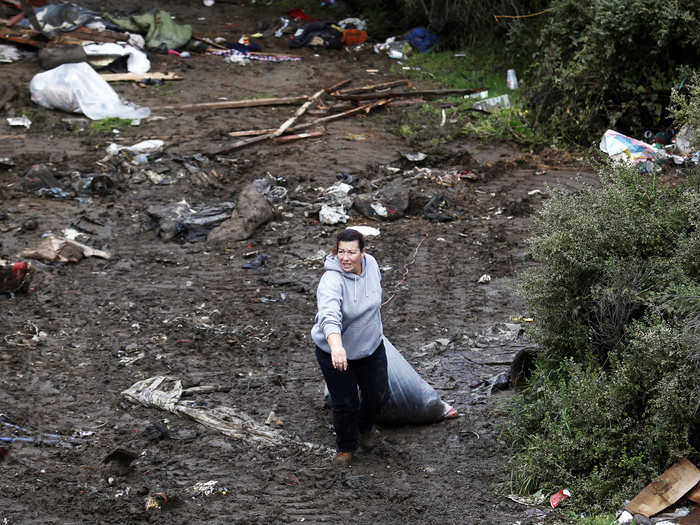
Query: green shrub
x=615, y=296
x=610, y=63
x=605, y=433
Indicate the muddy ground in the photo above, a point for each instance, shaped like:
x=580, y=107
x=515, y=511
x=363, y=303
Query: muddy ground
x=87, y=331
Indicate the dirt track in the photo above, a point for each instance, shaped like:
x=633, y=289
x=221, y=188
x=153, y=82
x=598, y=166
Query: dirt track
x=189, y=310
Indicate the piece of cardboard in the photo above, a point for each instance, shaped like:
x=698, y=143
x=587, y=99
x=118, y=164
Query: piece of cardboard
x=694, y=495
x=665, y=490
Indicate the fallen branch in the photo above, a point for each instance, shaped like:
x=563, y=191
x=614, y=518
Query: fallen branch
x=299, y=112
x=231, y=104
x=372, y=87
x=427, y=92
x=245, y=142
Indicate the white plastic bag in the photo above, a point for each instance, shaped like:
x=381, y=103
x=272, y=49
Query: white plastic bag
x=137, y=61
x=77, y=88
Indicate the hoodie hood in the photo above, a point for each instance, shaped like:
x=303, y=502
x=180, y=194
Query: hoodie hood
x=332, y=264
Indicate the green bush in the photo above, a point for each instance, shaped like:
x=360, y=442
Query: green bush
x=605, y=433
x=614, y=399
x=610, y=63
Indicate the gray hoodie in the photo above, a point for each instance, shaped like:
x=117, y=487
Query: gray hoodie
x=348, y=304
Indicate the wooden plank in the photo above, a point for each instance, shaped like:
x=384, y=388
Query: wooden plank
x=665, y=490
x=117, y=77
x=372, y=87
x=231, y=104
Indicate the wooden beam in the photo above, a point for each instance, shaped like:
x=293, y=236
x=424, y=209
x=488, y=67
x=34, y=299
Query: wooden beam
x=231, y=104
x=372, y=87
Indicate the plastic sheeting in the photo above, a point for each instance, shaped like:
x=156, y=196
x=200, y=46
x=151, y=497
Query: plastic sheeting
x=411, y=399
x=77, y=88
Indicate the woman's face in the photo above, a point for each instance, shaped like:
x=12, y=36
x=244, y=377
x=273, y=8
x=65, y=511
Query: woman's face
x=350, y=256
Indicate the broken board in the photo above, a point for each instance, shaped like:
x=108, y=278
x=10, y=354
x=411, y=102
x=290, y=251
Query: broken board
x=665, y=490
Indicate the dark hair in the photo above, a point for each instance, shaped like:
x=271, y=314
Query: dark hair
x=349, y=235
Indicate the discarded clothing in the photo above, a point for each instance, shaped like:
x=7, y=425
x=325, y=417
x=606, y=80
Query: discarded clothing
x=319, y=34
x=422, y=39
x=160, y=30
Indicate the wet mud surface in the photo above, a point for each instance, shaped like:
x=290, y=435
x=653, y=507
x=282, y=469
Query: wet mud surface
x=89, y=330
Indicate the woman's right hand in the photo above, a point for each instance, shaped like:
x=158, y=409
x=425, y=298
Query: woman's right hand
x=339, y=358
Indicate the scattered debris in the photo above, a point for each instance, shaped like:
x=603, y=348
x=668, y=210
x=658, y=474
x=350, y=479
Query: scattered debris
x=484, y=279
x=145, y=146
x=493, y=104
x=164, y=392
x=55, y=249
x=181, y=222
x=15, y=277
x=19, y=122
x=207, y=488
x=558, y=498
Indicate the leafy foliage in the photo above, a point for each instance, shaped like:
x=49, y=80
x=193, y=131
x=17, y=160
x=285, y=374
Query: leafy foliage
x=615, y=396
x=610, y=63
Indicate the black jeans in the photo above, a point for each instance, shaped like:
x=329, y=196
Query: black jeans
x=354, y=413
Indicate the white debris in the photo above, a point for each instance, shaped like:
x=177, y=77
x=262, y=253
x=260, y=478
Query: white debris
x=366, y=231
x=19, y=121
x=332, y=214
x=486, y=278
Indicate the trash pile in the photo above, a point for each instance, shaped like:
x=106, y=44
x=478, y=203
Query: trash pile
x=672, y=498
x=650, y=157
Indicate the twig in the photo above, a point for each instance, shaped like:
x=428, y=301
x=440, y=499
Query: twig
x=405, y=270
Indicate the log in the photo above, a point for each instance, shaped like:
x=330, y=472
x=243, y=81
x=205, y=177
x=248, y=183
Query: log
x=231, y=104
x=372, y=87
x=427, y=92
x=116, y=77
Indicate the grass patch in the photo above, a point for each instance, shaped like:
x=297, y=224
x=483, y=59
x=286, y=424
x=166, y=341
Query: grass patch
x=482, y=68
x=106, y=125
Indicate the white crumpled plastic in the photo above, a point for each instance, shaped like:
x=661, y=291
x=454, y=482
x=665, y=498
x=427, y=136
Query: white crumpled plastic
x=137, y=61
x=77, y=88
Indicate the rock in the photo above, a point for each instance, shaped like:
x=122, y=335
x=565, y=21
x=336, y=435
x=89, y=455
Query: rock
x=252, y=211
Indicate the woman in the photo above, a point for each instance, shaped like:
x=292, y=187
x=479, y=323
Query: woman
x=349, y=342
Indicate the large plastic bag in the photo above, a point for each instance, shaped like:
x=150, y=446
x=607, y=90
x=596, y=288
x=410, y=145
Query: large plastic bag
x=77, y=88
x=411, y=401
